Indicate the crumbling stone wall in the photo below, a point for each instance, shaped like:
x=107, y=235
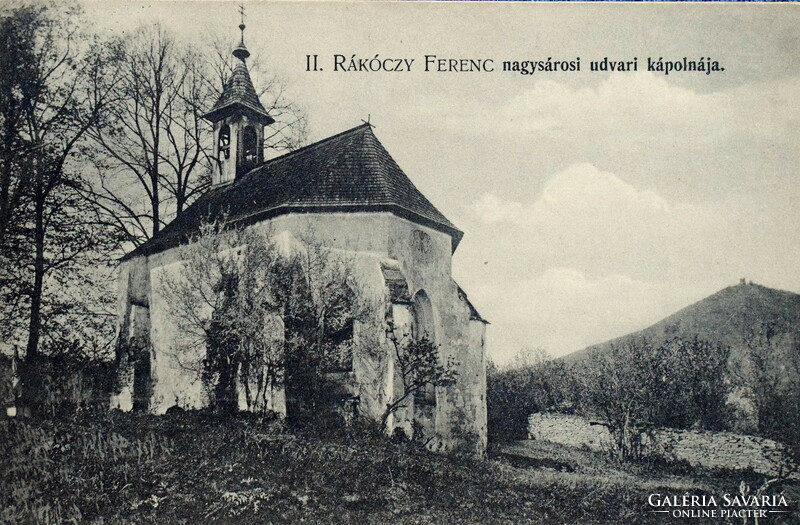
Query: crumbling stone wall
x=707, y=449
x=573, y=431
x=720, y=450
x=66, y=385
x=371, y=241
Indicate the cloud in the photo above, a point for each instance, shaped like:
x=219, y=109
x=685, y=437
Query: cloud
x=582, y=184
x=631, y=99
x=684, y=143
x=641, y=107
x=591, y=220
x=564, y=310
x=584, y=193
x=593, y=257
x=492, y=209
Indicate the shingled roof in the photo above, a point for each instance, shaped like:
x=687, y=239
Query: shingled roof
x=348, y=172
x=239, y=93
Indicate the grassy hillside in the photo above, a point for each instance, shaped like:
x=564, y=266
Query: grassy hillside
x=728, y=362
x=733, y=317
x=205, y=468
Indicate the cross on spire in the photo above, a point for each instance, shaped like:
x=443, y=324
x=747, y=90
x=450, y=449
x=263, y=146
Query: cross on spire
x=241, y=25
x=241, y=51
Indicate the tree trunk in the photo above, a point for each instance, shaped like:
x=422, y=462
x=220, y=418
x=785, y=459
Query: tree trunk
x=32, y=384
x=34, y=325
x=155, y=201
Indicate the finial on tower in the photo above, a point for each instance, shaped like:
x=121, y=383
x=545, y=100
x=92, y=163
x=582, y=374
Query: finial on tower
x=241, y=25
x=241, y=51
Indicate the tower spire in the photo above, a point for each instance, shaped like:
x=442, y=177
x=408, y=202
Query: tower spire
x=239, y=119
x=241, y=51
x=241, y=25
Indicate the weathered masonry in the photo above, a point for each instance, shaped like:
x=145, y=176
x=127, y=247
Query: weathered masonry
x=352, y=195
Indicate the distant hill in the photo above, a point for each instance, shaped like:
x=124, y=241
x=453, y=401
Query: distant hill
x=731, y=317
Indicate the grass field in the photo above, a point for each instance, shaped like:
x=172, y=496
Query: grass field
x=205, y=468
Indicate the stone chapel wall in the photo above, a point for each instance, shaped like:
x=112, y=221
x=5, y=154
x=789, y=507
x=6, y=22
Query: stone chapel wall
x=365, y=239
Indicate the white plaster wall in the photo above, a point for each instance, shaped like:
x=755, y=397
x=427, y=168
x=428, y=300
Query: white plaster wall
x=133, y=323
x=365, y=239
x=362, y=232
x=403, y=417
x=122, y=399
x=460, y=415
x=174, y=366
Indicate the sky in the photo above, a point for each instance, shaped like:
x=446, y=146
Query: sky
x=594, y=203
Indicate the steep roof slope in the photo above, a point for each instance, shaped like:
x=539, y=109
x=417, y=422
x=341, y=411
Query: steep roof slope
x=239, y=92
x=729, y=317
x=348, y=172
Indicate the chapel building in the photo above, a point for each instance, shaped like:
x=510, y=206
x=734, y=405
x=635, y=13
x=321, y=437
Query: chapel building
x=347, y=190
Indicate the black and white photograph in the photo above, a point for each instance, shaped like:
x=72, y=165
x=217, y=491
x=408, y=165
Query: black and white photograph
x=399, y=262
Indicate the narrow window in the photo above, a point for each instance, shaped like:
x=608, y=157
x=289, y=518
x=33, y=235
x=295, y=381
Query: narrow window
x=224, y=145
x=423, y=331
x=249, y=147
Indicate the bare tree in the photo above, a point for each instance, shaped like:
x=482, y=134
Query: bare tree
x=254, y=315
x=18, y=59
x=532, y=383
x=58, y=83
x=420, y=367
x=154, y=150
x=620, y=386
x=320, y=308
x=151, y=159
x=768, y=372
x=529, y=356
x=222, y=301
x=57, y=86
x=637, y=386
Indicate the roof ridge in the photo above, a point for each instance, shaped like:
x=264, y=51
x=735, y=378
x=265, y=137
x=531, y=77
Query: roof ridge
x=309, y=146
x=350, y=171
x=374, y=157
x=383, y=154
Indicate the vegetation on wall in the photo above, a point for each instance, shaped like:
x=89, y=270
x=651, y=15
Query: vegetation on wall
x=419, y=367
x=534, y=384
x=102, y=142
x=769, y=370
x=630, y=387
x=254, y=314
x=637, y=386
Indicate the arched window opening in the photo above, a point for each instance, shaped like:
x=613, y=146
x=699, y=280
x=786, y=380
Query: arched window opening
x=224, y=145
x=423, y=329
x=249, y=148
x=422, y=318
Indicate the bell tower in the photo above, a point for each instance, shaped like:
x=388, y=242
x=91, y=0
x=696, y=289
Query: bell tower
x=239, y=119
